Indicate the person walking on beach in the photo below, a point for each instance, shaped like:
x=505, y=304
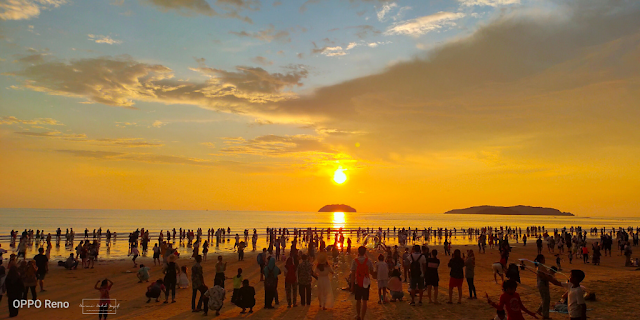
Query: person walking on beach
x=15, y=288
x=156, y=254
x=362, y=267
x=382, y=276
x=42, y=264
x=197, y=280
x=325, y=293
x=305, y=273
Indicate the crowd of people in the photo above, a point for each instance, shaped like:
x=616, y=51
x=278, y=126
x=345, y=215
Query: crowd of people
x=308, y=258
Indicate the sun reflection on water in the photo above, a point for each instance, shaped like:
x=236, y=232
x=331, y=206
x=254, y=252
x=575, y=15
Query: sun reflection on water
x=338, y=220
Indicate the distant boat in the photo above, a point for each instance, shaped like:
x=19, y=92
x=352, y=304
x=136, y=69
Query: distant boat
x=337, y=208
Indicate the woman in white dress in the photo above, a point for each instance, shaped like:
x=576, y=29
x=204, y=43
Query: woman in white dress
x=325, y=292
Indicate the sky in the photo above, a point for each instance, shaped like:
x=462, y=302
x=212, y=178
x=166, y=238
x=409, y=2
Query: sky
x=427, y=106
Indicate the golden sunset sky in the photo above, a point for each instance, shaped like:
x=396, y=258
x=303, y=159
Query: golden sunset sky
x=253, y=104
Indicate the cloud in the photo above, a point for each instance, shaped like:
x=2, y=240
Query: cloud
x=121, y=80
x=240, y=4
x=81, y=137
x=275, y=145
x=209, y=144
x=563, y=78
x=489, y=3
x=26, y=9
x=262, y=61
x=363, y=31
x=103, y=39
x=268, y=35
x=384, y=10
x=422, y=25
x=186, y=7
x=277, y=3
x=38, y=121
x=351, y=46
x=158, y=124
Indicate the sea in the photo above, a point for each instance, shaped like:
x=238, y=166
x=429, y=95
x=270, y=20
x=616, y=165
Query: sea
x=124, y=222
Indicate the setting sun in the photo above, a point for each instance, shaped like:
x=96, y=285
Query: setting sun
x=339, y=177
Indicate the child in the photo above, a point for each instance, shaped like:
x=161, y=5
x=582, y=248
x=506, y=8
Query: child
x=395, y=286
x=570, y=255
x=500, y=315
x=104, y=297
x=382, y=269
x=183, y=281
x=143, y=273
x=237, y=284
x=510, y=302
x=558, y=261
x=216, y=297
x=135, y=253
x=575, y=295
x=247, y=297
x=155, y=289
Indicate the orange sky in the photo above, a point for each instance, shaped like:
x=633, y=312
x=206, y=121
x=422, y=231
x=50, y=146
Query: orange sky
x=534, y=105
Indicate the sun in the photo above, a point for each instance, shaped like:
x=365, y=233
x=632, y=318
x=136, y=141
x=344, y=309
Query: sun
x=339, y=177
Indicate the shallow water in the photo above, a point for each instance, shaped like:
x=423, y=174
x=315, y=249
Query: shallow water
x=125, y=221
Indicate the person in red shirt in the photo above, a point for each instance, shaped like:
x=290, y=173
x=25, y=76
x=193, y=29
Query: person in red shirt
x=510, y=302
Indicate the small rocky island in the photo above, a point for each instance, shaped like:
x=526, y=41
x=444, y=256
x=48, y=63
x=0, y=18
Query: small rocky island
x=337, y=208
x=511, y=211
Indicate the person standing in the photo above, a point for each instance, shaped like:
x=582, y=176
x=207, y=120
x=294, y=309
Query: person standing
x=362, y=267
x=470, y=265
x=417, y=266
x=42, y=263
x=325, y=293
x=170, y=279
x=305, y=272
x=221, y=267
x=271, y=273
x=456, y=275
x=197, y=280
x=291, y=282
x=543, y=286
x=262, y=259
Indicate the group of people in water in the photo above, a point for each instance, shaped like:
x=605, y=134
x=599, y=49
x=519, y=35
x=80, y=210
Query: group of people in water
x=308, y=258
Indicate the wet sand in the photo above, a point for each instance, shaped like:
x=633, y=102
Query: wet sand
x=616, y=288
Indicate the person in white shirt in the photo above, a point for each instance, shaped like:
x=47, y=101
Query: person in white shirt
x=575, y=294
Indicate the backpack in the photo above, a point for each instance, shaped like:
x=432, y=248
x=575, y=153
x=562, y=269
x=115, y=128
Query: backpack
x=270, y=280
x=362, y=272
x=415, y=268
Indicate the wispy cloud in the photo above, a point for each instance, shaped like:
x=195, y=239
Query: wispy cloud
x=490, y=3
x=268, y=35
x=422, y=25
x=262, y=61
x=386, y=8
x=103, y=39
x=26, y=9
x=38, y=121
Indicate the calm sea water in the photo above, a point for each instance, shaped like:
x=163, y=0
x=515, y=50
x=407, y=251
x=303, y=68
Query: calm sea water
x=125, y=221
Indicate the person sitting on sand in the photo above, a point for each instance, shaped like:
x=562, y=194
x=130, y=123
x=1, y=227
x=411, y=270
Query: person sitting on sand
x=395, y=286
x=510, y=302
x=143, y=274
x=215, y=296
x=71, y=263
x=247, y=297
x=154, y=290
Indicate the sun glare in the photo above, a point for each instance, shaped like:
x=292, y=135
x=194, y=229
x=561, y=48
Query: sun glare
x=339, y=177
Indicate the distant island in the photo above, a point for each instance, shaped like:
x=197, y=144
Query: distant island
x=337, y=208
x=511, y=211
